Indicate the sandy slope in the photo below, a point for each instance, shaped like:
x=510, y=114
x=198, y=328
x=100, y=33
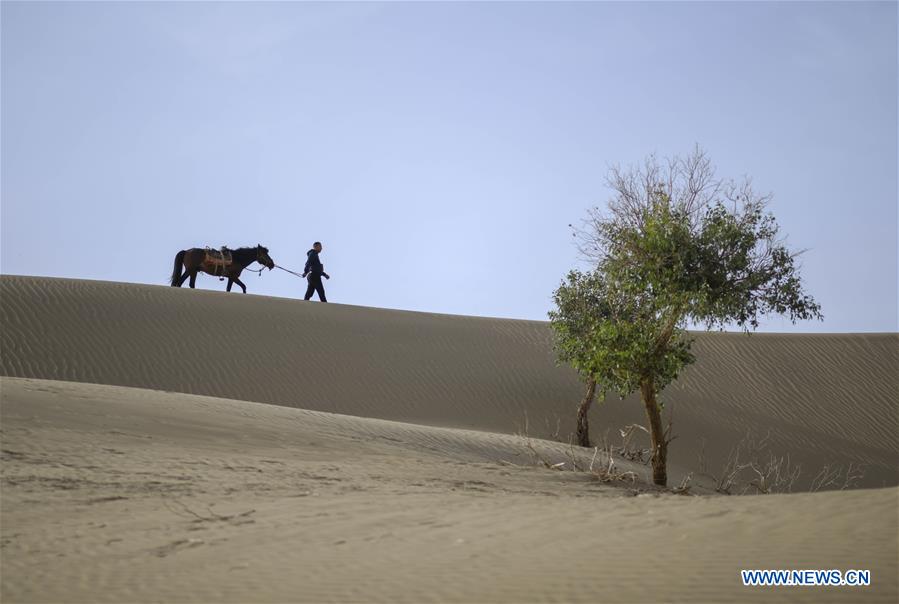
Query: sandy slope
x=822, y=399
x=386, y=466
x=116, y=494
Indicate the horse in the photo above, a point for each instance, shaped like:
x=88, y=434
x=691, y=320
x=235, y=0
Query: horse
x=198, y=259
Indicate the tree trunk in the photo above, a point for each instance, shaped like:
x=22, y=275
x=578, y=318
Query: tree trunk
x=657, y=434
x=583, y=427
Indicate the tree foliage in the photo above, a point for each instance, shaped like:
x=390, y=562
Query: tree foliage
x=675, y=246
x=610, y=336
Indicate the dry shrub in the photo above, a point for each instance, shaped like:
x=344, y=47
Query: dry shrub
x=752, y=467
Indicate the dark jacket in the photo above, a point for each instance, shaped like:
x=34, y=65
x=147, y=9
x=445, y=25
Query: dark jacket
x=313, y=264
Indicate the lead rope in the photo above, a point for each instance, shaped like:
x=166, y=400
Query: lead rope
x=289, y=271
x=259, y=271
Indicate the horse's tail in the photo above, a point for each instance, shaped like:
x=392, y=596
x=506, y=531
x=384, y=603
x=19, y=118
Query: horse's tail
x=176, y=273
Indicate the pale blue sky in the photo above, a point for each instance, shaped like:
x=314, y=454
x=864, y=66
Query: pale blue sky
x=439, y=151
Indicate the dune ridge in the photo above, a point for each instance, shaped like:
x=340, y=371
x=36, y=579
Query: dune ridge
x=823, y=399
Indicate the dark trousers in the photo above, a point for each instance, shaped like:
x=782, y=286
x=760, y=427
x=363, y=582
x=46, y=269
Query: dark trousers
x=315, y=285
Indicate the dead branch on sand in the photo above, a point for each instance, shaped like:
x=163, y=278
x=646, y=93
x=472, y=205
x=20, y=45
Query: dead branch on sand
x=836, y=477
x=752, y=467
x=184, y=511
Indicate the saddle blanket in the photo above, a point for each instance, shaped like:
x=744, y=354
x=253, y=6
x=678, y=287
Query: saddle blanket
x=218, y=257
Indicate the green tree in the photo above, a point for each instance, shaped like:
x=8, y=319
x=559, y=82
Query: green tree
x=675, y=246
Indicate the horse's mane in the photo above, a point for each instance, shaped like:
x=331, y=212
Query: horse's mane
x=247, y=249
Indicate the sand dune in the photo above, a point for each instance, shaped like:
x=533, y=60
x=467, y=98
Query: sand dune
x=822, y=399
x=114, y=494
x=164, y=444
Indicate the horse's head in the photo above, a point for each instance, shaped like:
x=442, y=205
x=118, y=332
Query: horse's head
x=263, y=258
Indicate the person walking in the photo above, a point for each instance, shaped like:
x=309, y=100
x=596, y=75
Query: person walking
x=315, y=271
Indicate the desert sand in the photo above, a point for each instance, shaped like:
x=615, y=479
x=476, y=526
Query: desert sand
x=165, y=444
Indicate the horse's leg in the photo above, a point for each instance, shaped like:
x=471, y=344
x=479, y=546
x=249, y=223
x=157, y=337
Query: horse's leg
x=230, y=283
x=234, y=275
x=190, y=268
x=179, y=266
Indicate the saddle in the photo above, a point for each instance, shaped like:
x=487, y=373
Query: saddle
x=218, y=260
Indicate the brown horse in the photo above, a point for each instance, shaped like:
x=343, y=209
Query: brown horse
x=214, y=263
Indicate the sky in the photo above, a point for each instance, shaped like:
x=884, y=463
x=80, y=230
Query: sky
x=439, y=151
